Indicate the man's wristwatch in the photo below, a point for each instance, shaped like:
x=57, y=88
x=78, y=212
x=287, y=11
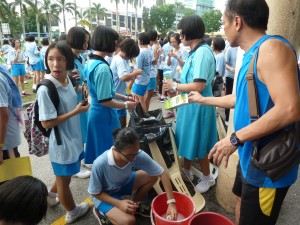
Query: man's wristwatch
x=125, y=105
x=234, y=140
x=174, y=86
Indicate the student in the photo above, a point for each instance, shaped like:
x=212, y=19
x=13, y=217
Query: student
x=122, y=73
x=16, y=58
x=23, y=201
x=6, y=47
x=79, y=39
x=143, y=62
x=32, y=52
x=102, y=116
x=65, y=158
x=218, y=45
x=45, y=43
x=122, y=170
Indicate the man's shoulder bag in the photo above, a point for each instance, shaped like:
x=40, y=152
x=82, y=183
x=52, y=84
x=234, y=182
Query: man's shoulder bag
x=282, y=152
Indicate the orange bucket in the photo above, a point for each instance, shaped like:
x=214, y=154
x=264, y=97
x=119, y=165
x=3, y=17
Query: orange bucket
x=185, y=207
x=210, y=218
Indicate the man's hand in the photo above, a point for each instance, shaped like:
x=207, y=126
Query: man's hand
x=171, y=212
x=127, y=206
x=222, y=151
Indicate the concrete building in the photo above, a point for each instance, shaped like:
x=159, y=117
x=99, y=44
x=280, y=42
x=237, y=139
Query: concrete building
x=203, y=6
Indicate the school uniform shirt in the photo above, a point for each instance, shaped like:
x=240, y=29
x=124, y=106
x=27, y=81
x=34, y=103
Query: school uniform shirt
x=32, y=52
x=6, y=48
x=120, y=67
x=220, y=64
x=12, y=55
x=109, y=178
x=69, y=130
x=13, y=134
x=182, y=54
x=152, y=66
x=143, y=62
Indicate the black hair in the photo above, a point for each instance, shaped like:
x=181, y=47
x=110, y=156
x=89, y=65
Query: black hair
x=130, y=48
x=218, y=43
x=144, y=38
x=153, y=35
x=89, y=42
x=23, y=200
x=62, y=37
x=169, y=35
x=76, y=38
x=65, y=50
x=121, y=38
x=125, y=137
x=208, y=40
x=104, y=39
x=254, y=12
x=192, y=27
x=31, y=38
x=26, y=38
x=45, y=41
x=13, y=43
x=6, y=42
x=177, y=37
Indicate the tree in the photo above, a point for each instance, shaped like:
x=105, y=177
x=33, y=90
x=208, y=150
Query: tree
x=160, y=2
x=63, y=7
x=51, y=12
x=98, y=12
x=136, y=4
x=82, y=15
x=148, y=24
x=14, y=24
x=163, y=17
x=188, y=12
x=30, y=21
x=22, y=4
x=212, y=20
x=117, y=14
x=4, y=14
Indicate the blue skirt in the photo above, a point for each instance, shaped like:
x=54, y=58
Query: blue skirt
x=67, y=169
x=102, y=121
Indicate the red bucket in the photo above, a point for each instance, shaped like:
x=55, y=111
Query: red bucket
x=210, y=218
x=185, y=207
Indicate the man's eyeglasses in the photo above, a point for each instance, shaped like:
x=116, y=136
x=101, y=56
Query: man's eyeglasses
x=129, y=156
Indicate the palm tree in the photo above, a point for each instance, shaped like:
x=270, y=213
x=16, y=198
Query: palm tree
x=82, y=15
x=51, y=12
x=136, y=4
x=63, y=7
x=4, y=12
x=22, y=4
x=98, y=11
x=76, y=12
x=117, y=12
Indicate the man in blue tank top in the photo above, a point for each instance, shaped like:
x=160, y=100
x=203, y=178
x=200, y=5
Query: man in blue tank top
x=277, y=79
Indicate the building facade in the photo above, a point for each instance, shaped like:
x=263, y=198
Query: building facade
x=203, y=6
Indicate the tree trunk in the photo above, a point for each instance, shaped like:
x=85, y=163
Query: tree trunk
x=117, y=18
x=64, y=18
x=49, y=27
x=22, y=20
x=37, y=23
x=136, y=23
x=75, y=12
x=97, y=16
x=126, y=19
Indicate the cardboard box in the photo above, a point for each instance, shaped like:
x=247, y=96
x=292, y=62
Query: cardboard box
x=177, y=101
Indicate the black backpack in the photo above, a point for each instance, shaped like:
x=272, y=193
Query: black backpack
x=217, y=85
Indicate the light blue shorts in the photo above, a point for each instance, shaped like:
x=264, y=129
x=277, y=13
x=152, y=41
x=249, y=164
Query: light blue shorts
x=18, y=70
x=67, y=169
x=139, y=89
x=152, y=84
x=122, y=113
x=125, y=190
x=36, y=66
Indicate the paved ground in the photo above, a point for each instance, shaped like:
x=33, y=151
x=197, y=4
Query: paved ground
x=290, y=214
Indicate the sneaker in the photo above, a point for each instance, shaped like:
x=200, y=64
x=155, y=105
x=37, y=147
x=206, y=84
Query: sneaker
x=83, y=173
x=204, y=184
x=25, y=82
x=88, y=166
x=82, y=209
x=162, y=99
x=143, y=210
x=52, y=201
x=187, y=175
x=169, y=114
x=24, y=93
x=102, y=219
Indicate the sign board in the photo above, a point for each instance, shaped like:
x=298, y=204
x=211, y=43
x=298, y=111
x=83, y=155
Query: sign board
x=5, y=28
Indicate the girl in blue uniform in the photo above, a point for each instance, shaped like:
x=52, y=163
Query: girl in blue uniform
x=196, y=131
x=65, y=158
x=102, y=116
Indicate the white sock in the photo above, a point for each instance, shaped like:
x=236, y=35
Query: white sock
x=52, y=194
x=73, y=212
x=209, y=177
x=186, y=171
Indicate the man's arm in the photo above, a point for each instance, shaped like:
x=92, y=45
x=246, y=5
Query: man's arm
x=3, y=128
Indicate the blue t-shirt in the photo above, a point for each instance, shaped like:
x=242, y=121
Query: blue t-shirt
x=230, y=58
x=153, y=67
x=69, y=130
x=32, y=52
x=182, y=54
x=252, y=174
x=220, y=64
x=120, y=67
x=13, y=134
x=144, y=62
x=109, y=178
